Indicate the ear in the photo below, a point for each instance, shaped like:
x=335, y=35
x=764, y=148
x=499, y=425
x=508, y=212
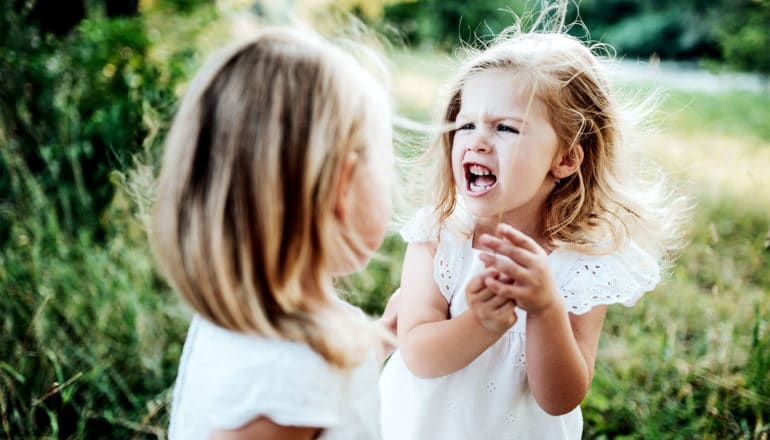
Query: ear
x=566, y=163
x=343, y=186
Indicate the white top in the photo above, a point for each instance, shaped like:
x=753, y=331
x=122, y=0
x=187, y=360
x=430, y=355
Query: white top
x=490, y=397
x=226, y=379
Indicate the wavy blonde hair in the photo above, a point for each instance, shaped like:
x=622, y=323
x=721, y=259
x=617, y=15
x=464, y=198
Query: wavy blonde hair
x=243, y=224
x=602, y=203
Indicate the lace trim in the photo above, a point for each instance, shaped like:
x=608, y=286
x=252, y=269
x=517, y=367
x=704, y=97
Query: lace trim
x=608, y=279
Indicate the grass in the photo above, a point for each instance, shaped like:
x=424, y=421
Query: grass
x=91, y=336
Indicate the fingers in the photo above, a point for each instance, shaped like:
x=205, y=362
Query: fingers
x=519, y=238
x=502, y=246
x=509, y=270
x=492, y=311
x=476, y=283
x=504, y=290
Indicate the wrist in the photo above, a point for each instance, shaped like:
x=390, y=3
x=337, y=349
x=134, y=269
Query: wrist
x=483, y=327
x=553, y=308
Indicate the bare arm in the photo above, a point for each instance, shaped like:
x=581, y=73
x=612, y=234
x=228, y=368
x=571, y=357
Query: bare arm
x=561, y=352
x=431, y=344
x=262, y=427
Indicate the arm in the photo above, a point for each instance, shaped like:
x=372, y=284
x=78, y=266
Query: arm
x=561, y=348
x=431, y=344
x=262, y=427
x=560, y=376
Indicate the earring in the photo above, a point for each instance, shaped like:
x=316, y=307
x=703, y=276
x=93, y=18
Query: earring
x=557, y=181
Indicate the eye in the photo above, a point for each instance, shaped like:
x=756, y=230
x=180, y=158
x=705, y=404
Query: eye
x=507, y=128
x=467, y=126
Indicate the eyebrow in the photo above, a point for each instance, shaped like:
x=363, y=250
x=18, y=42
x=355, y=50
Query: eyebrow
x=487, y=116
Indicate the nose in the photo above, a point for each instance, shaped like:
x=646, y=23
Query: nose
x=479, y=144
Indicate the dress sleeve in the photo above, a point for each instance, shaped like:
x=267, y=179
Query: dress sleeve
x=447, y=262
x=622, y=277
x=286, y=382
x=422, y=227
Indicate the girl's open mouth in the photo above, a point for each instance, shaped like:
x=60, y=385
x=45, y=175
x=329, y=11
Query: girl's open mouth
x=479, y=179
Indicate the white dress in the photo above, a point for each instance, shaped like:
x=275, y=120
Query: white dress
x=226, y=379
x=490, y=397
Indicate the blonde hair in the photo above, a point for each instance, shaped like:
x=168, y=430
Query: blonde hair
x=601, y=206
x=243, y=224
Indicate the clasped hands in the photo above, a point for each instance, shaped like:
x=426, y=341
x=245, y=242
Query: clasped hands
x=516, y=273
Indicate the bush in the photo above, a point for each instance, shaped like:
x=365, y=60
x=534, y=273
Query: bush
x=447, y=23
x=72, y=109
x=91, y=337
x=726, y=30
x=744, y=35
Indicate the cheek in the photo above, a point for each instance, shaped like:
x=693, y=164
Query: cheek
x=456, y=159
x=378, y=206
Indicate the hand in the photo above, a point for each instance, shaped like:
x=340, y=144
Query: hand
x=533, y=287
x=389, y=320
x=493, y=312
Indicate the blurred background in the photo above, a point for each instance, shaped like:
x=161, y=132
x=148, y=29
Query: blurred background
x=91, y=335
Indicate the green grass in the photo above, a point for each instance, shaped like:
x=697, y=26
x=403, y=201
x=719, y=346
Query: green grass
x=736, y=114
x=91, y=336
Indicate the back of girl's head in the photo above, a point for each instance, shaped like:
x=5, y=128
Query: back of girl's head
x=243, y=227
x=601, y=202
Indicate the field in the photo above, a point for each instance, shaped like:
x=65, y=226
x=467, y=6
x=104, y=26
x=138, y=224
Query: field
x=91, y=336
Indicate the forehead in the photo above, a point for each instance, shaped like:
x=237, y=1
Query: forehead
x=500, y=92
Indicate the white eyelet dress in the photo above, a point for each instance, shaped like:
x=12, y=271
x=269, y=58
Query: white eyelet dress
x=227, y=379
x=490, y=398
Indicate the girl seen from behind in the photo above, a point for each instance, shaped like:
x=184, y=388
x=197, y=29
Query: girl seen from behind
x=534, y=227
x=275, y=177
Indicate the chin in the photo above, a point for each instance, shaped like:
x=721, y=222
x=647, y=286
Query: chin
x=481, y=209
x=355, y=263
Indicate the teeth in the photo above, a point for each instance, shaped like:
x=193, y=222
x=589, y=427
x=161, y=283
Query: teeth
x=479, y=170
x=476, y=188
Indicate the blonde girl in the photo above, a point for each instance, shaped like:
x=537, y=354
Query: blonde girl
x=534, y=228
x=275, y=178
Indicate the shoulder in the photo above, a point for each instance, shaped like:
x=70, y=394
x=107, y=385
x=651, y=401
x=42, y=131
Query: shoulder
x=231, y=378
x=424, y=226
x=587, y=280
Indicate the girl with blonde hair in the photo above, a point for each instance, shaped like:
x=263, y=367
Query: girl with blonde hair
x=276, y=176
x=533, y=229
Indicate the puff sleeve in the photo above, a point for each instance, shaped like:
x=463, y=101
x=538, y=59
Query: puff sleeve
x=421, y=228
x=228, y=379
x=449, y=259
x=622, y=277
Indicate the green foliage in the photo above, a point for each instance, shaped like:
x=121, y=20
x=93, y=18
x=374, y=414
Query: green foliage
x=90, y=339
x=735, y=32
x=74, y=108
x=744, y=35
x=371, y=289
x=691, y=360
x=90, y=336
x=449, y=22
x=735, y=114
x=671, y=34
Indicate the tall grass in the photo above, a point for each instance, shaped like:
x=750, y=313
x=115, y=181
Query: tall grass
x=90, y=337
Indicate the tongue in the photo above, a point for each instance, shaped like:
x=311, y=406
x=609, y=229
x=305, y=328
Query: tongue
x=484, y=180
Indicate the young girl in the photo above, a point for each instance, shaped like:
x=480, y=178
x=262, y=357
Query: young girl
x=275, y=177
x=533, y=231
